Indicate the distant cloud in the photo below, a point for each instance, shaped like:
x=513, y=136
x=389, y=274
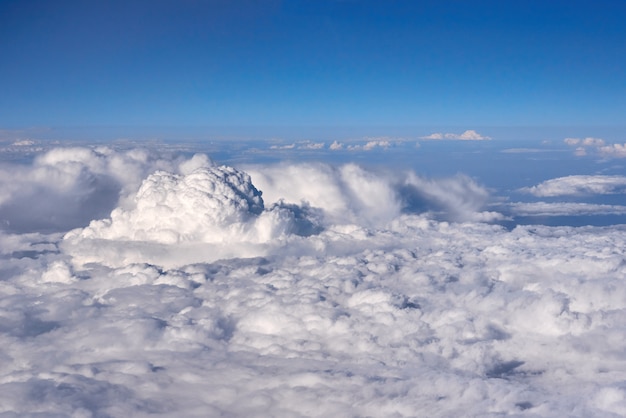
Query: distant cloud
x=311, y=145
x=565, y=209
x=370, y=145
x=23, y=143
x=613, y=150
x=469, y=135
x=335, y=146
x=279, y=147
x=596, y=145
x=578, y=185
x=304, y=145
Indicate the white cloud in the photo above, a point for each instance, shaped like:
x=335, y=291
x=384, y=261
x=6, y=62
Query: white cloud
x=370, y=145
x=469, y=135
x=565, y=209
x=613, y=150
x=23, y=143
x=67, y=187
x=288, y=146
x=348, y=193
x=578, y=185
x=312, y=145
x=598, y=146
x=335, y=146
x=347, y=320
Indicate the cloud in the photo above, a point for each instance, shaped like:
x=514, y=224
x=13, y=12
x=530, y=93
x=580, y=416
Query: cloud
x=288, y=146
x=586, y=142
x=304, y=145
x=335, y=146
x=578, y=185
x=370, y=145
x=349, y=193
x=302, y=290
x=613, y=150
x=67, y=187
x=598, y=146
x=565, y=209
x=460, y=198
x=312, y=145
x=351, y=324
x=469, y=135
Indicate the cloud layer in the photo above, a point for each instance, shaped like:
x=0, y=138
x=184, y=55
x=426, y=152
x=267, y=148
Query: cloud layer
x=301, y=290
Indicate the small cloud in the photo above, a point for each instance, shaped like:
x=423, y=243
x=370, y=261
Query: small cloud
x=23, y=143
x=595, y=142
x=336, y=146
x=468, y=135
x=279, y=147
x=580, y=152
x=311, y=145
x=598, y=145
x=613, y=150
x=372, y=144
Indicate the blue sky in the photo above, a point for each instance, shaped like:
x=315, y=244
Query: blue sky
x=312, y=63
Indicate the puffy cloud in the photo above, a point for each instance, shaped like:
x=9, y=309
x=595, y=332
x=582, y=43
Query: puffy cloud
x=508, y=321
x=598, y=145
x=351, y=194
x=203, y=209
x=335, y=146
x=345, y=193
x=288, y=146
x=613, y=150
x=341, y=306
x=67, y=187
x=469, y=135
x=578, y=185
x=370, y=145
x=586, y=142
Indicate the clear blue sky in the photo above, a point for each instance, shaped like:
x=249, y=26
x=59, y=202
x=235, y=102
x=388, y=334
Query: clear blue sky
x=312, y=62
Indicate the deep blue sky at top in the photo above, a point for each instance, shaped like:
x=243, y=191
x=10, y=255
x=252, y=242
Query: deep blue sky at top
x=312, y=62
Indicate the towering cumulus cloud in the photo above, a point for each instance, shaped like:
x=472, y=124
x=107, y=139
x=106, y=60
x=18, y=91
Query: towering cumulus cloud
x=210, y=211
x=299, y=290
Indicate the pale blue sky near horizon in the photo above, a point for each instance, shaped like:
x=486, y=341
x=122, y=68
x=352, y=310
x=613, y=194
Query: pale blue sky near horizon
x=369, y=66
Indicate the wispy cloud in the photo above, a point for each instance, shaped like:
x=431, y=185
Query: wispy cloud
x=565, y=209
